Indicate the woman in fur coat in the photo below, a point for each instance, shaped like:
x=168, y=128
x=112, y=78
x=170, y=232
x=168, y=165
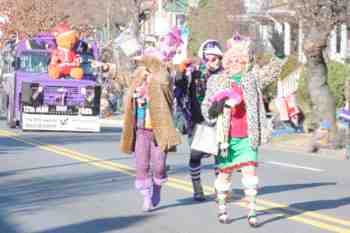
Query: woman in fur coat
x=148, y=129
x=234, y=103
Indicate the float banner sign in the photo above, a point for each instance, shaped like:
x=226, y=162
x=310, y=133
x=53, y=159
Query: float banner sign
x=60, y=123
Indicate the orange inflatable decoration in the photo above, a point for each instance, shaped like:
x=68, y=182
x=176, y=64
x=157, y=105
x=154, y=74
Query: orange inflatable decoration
x=54, y=72
x=77, y=73
x=63, y=58
x=67, y=40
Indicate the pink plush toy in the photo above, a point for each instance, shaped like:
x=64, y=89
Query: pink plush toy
x=170, y=43
x=168, y=46
x=228, y=94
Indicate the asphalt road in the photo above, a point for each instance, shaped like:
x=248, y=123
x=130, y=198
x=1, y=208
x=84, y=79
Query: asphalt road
x=81, y=183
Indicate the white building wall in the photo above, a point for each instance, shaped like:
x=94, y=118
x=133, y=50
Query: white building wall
x=344, y=40
x=287, y=38
x=333, y=53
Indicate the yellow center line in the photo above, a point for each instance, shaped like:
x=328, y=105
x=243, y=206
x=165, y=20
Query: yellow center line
x=210, y=190
x=176, y=183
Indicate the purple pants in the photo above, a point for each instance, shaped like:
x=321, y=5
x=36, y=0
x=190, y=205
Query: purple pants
x=148, y=155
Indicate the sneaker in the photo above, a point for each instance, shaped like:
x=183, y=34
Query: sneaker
x=223, y=218
x=199, y=197
x=198, y=193
x=253, y=221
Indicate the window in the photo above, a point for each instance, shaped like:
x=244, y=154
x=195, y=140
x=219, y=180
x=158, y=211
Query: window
x=34, y=62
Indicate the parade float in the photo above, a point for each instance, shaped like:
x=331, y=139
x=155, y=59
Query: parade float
x=54, y=87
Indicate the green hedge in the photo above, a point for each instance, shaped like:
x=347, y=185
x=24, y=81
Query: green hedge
x=288, y=68
x=337, y=74
x=291, y=65
x=303, y=89
x=304, y=102
x=270, y=91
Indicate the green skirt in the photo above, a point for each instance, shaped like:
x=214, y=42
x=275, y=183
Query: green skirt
x=240, y=154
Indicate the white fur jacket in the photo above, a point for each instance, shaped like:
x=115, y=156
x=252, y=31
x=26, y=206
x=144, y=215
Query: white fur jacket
x=252, y=83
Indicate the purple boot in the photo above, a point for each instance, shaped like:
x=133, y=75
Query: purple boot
x=156, y=194
x=147, y=199
x=146, y=189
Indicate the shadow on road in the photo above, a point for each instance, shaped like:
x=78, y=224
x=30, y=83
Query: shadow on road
x=178, y=169
x=107, y=135
x=237, y=194
x=302, y=207
x=19, y=171
x=9, y=146
x=72, y=138
x=101, y=225
x=111, y=130
x=282, y=188
x=6, y=226
x=7, y=173
x=32, y=193
x=183, y=202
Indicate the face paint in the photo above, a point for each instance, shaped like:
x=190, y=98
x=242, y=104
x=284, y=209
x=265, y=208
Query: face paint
x=235, y=62
x=213, y=62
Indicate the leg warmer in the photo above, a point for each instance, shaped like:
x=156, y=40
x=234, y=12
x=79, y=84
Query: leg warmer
x=250, y=184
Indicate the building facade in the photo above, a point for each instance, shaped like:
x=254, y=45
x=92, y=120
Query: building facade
x=168, y=13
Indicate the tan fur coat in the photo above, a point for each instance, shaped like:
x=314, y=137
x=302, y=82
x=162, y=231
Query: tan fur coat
x=161, y=100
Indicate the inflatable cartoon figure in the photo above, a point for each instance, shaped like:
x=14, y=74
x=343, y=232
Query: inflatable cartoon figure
x=169, y=43
x=64, y=60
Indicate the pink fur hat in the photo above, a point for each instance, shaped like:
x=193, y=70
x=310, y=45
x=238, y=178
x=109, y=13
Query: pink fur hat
x=239, y=44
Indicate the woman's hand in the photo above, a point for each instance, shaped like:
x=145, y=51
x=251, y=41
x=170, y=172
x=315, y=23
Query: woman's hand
x=216, y=108
x=277, y=42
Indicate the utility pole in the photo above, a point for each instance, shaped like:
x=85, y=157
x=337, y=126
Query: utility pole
x=108, y=20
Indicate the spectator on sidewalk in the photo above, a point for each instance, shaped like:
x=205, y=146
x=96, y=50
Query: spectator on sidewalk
x=321, y=137
x=115, y=84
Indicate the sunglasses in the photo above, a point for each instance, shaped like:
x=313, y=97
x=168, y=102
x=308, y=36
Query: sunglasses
x=211, y=59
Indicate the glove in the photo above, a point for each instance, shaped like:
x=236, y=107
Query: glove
x=277, y=42
x=216, y=108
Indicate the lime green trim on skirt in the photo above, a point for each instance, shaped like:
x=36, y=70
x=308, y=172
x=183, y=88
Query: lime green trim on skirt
x=240, y=154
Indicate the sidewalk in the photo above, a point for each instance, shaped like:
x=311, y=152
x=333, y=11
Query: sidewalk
x=112, y=121
x=300, y=143
x=289, y=143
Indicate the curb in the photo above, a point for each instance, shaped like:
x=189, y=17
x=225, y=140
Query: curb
x=111, y=123
x=322, y=153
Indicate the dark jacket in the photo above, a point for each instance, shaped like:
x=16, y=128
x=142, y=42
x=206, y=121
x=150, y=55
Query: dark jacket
x=189, y=94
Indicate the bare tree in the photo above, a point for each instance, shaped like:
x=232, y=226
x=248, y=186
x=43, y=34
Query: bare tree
x=319, y=18
x=213, y=20
x=113, y=13
x=28, y=17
